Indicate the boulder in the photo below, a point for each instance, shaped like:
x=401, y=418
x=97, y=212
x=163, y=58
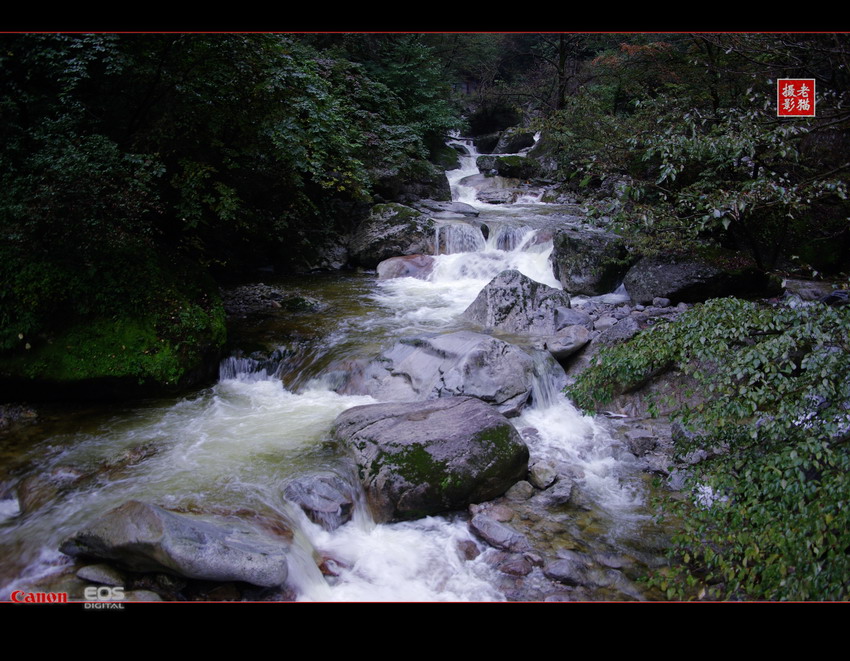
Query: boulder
x=546, y=152
x=406, y=266
x=391, y=230
x=567, y=341
x=494, y=190
x=589, y=262
x=485, y=144
x=454, y=364
x=421, y=458
x=416, y=180
x=326, y=498
x=512, y=142
x=693, y=281
x=144, y=537
x=497, y=534
x=572, y=317
x=513, y=166
x=514, y=303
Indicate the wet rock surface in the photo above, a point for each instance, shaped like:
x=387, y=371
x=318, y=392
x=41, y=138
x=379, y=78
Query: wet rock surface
x=514, y=303
x=326, y=498
x=147, y=538
x=391, y=230
x=406, y=266
x=426, y=457
x=448, y=365
x=258, y=298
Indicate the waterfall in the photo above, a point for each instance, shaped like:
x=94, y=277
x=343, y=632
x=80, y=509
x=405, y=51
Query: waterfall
x=453, y=238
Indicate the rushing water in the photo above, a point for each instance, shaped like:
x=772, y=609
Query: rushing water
x=234, y=447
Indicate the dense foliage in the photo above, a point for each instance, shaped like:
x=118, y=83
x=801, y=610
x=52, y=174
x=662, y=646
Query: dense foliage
x=135, y=165
x=769, y=516
x=689, y=123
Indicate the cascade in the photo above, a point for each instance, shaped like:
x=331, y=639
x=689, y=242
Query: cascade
x=234, y=446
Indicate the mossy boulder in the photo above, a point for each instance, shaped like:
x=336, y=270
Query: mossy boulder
x=391, y=230
x=514, y=167
x=590, y=262
x=418, y=179
x=446, y=157
x=420, y=458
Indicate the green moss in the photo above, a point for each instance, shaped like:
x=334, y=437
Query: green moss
x=133, y=347
x=399, y=211
x=446, y=157
x=414, y=463
x=511, y=161
x=499, y=438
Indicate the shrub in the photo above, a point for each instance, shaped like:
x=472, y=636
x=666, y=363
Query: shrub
x=768, y=517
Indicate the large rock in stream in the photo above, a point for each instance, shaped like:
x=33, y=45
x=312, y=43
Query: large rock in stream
x=454, y=364
x=391, y=230
x=514, y=303
x=418, y=459
x=693, y=281
x=147, y=538
x=589, y=262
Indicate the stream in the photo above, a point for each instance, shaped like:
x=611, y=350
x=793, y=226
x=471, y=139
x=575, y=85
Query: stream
x=234, y=447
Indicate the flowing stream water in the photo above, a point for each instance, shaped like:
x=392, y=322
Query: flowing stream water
x=234, y=447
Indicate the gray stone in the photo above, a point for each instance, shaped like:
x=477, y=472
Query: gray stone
x=568, y=341
x=102, y=574
x=661, y=302
x=569, y=571
x=421, y=458
x=498, y=535
x=604, y=323
x=145, y=537
x=542, y=474
x=514, y=303
x=511, y=142
x=641, y=441
x=326, y=498
x=515, y=565
x=692, y=281
x=391, y=230
x=449, y=365
x=406, y=266
x=572, y=317
x=588, y=262
x=449, y=208
x=620, y=332
x=520, y=491
x=559, y=494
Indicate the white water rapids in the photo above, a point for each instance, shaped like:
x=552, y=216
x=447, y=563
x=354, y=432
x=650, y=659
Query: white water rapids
x=234, y=447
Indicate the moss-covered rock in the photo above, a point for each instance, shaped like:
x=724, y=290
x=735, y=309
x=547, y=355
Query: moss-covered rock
x=420, y=458
x=589, y=262
x=391, y=230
